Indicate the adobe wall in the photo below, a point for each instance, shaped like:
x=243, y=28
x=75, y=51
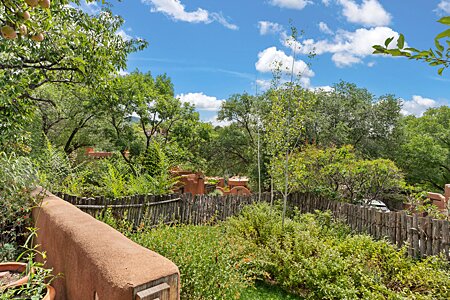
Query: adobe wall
x=441, y=201
x=98, y=262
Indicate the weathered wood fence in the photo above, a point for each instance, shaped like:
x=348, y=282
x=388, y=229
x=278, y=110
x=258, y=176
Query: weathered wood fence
x=151, y=210
x=423, y=236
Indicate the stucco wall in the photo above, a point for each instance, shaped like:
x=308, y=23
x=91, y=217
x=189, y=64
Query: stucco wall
x=98, y=262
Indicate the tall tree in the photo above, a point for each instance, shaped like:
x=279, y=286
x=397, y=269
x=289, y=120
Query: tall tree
x=351, y=115
x=237, y=144
x=78, y=50
x=158, y=117
x=425, y=154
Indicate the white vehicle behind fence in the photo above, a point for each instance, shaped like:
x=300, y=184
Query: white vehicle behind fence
x=377, y=204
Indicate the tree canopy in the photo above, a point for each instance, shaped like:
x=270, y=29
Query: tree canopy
x=79, y=50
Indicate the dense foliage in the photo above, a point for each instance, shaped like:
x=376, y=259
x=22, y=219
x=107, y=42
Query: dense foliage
x=17, y=178
x=79, y=49
x=314, y=257
x=319, y=259
x=426, y=150
x=338, y=173
x=110, y=177
x=205, y=258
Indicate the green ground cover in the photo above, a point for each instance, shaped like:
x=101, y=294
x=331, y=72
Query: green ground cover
x=312, y=257
x=267, y=292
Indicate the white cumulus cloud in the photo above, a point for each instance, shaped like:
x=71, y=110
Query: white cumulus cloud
x=368, y=13
x=346, y=47
x=324, y=88
x=444, y=6
x=324, y=28
x=215, y=122
x=264, y=84
x=202, y=101
x=292, y=4
x=266, y=27
x=417, y=105
x=124, y=35
x=271, y=58
x=177, y=11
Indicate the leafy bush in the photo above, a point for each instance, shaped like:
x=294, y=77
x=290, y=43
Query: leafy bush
x=53, y=166
x=107, y=177
x=204, y=257
x=338, y=173
x=319, y=259
x=313, y=256
x=17, y=178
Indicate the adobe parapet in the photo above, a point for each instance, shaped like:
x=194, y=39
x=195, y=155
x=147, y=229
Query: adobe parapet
x=98, y=262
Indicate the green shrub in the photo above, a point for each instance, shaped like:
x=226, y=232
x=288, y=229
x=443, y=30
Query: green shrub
x=313, y=256
x=319, y=259
x=205, y=259
x=17, y=178
x=111, y=177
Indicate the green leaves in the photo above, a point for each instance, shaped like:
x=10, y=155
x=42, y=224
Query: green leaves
x=425, y=152
x=443, y=34
x=388, y=41
x=445, y=20
x=401, y=41
x=77, y=49
x=438, y=57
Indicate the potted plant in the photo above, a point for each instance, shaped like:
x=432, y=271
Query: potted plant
x=12, y=274
x=30, y=280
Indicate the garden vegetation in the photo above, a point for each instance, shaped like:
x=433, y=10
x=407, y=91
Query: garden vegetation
x=313, y=257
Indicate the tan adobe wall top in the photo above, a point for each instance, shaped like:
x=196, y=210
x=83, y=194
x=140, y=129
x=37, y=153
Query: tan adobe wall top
x=97, y=261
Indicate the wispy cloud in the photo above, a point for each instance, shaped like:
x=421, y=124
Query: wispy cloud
x=266, y=27
x=177, y=11
x=291, y=4
x=324, y=28
x=443, y=7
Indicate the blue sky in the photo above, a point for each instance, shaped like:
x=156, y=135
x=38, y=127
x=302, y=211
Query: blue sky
x=212, y=49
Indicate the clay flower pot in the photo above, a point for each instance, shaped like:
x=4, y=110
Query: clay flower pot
x=51, y=293
x=17, y=268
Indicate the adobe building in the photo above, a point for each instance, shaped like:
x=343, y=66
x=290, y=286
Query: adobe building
x=198, y=184
x=441, y=201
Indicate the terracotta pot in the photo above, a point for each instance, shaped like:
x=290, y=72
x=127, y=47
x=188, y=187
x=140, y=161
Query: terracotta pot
x=14, y=267
x=20, y=268
x=51, y=293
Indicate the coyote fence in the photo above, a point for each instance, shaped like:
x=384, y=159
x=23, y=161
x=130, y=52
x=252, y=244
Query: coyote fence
x=151, y=210
x=423, y=236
